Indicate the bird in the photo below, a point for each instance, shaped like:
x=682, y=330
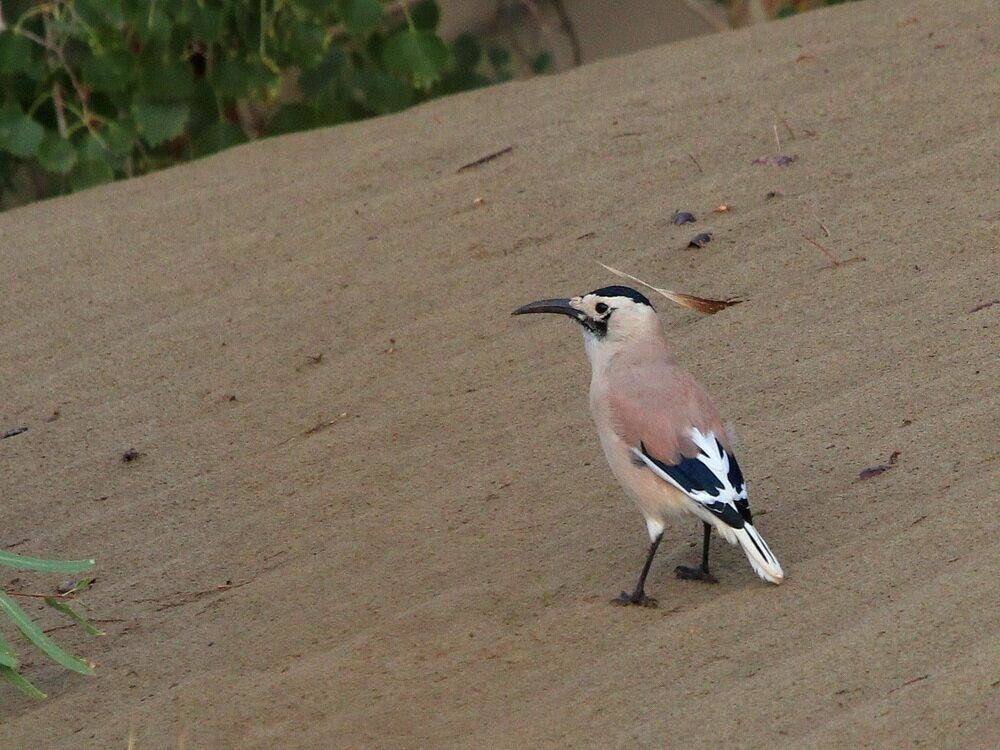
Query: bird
x=660, y=431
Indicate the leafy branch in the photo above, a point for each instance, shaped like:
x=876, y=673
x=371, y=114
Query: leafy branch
x=94, y=90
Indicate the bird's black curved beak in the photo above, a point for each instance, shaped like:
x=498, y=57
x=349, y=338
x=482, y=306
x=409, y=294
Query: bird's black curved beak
x=558, y=306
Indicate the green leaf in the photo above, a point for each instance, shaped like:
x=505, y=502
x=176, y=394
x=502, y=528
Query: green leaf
x=61, y=606
x=117, y=139
x=164, y=82
x=20, y=683
x=467, y=52
x=216, y=137
x=204, y=107
x=159, y=123
x=207, y=23
x=7, y=657
x=304, y=44
x=109, y=73
x=22, y=562
x=426, y=15
x=90, y=172
x=317, y=80
x=383, y=94
x=41, y=641
x=359, y=16
x=15, y=52
x=111, y=144
x=499, y=57
x=56, y=154
x=542, y=63
x=230, y=79
x=292, y=118
x=419, y=56
x=97, y=12
x=19, y=135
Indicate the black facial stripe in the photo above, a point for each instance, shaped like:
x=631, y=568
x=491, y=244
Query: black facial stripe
x=598, y=327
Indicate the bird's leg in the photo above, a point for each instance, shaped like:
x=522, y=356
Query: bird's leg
x=638, y=596
x=699, y=574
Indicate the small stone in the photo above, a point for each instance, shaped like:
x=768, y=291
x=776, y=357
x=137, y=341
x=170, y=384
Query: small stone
x=683, y=217
x=700, y=240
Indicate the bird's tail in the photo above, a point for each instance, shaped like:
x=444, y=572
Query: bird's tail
x=763, y=561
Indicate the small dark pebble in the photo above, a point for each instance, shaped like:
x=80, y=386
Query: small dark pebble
x=683, y=217
x=772, y=195
x=65, y=587
x=13, y=432
x=700, y=240
x=131, y=455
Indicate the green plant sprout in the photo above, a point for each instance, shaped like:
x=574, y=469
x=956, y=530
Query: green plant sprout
x=9, y=663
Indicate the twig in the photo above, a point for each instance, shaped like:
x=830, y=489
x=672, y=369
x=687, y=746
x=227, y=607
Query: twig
x=532, y=7
x=823, y=227
x=56, y=50
x=321, y=425
x=484, y=159
x=791, y=133
x=60, y=107
x=691, y=157
x=910, y=682
x=777, y=140
x=31, y=595
x=827, y=252
x=75, y=625
x=567, y=24
x=180, y=598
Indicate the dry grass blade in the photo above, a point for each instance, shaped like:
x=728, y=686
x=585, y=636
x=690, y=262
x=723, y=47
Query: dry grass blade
x=701, y=304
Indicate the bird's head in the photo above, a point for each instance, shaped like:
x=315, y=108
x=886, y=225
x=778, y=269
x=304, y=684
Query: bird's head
x=611, y=314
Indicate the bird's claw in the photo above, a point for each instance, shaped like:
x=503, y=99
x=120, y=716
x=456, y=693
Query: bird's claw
x=694, y=574
x=625, y=599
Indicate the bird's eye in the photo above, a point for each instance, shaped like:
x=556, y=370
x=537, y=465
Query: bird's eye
x=601, y=308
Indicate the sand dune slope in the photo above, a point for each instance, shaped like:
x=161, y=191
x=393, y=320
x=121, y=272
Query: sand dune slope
x=433, y=568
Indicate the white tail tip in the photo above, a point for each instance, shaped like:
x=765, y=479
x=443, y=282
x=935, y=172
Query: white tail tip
x=762, y=560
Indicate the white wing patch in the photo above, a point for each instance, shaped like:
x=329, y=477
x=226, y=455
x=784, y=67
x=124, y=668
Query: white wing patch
x=712, y=478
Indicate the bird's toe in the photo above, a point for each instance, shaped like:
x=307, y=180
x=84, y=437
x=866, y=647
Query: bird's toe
x=694, y=574
x=625, y=599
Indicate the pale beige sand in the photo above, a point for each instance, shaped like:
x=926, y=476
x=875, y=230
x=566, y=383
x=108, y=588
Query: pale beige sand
x=435, y=568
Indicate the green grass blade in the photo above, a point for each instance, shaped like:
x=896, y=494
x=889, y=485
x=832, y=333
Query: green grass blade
x=20, y=683
x=34, y=634
x=63, y=607
x=22, y=562
x=7, y=657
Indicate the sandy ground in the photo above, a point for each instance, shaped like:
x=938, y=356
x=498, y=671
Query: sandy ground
x=434, y=567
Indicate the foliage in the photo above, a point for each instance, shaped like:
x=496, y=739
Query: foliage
x=9, y=662
x=93, y=90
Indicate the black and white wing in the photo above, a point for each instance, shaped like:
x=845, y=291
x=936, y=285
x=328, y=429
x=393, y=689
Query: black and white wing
x=714, y=481
x=712, y=478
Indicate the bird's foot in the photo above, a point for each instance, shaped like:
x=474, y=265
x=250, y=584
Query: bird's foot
x=637, y=599
x=694, y=574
